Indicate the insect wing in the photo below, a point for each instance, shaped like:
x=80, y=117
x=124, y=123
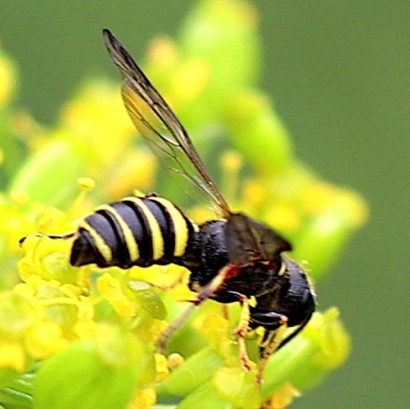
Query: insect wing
x=249, y=241
x=159, y=126
x=164, y=146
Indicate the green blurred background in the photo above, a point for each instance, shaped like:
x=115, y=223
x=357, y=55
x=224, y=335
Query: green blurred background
x=339, y=72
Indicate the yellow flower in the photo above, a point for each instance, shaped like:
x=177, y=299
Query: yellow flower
x=110, y=288
x=45, y=339
x=144, y=398
x=12, y=355
x=7, y=79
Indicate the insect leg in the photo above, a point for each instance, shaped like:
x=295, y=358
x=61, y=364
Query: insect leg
x=242, y=330
x=203, y=295
x=294, y=333
x=271, y=342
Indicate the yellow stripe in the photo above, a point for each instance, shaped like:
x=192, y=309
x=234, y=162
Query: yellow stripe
x=99, y=242
x=180, y=225
x=156, y=235
x=130, y=241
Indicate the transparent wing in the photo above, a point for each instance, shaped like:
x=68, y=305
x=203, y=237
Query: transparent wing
x=159, y=126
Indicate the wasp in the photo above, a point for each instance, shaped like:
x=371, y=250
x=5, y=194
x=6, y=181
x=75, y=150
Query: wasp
x=233, y=258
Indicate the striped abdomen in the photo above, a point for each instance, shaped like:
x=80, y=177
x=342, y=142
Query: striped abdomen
x=136, y=231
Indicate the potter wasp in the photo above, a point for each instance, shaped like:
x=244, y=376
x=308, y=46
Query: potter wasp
x=233, y=258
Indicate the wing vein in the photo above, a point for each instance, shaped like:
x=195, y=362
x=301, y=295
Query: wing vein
x=145, y=107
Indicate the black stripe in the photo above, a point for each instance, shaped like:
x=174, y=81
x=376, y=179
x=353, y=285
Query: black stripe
x=85, y=251
x=139, y=226
x=128, y=217
x=192, y=232
x=109, y=229
x=166, y=225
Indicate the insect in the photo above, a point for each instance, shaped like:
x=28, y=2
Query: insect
x=230, y=259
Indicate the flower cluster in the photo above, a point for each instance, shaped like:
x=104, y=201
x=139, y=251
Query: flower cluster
x=84, y=337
